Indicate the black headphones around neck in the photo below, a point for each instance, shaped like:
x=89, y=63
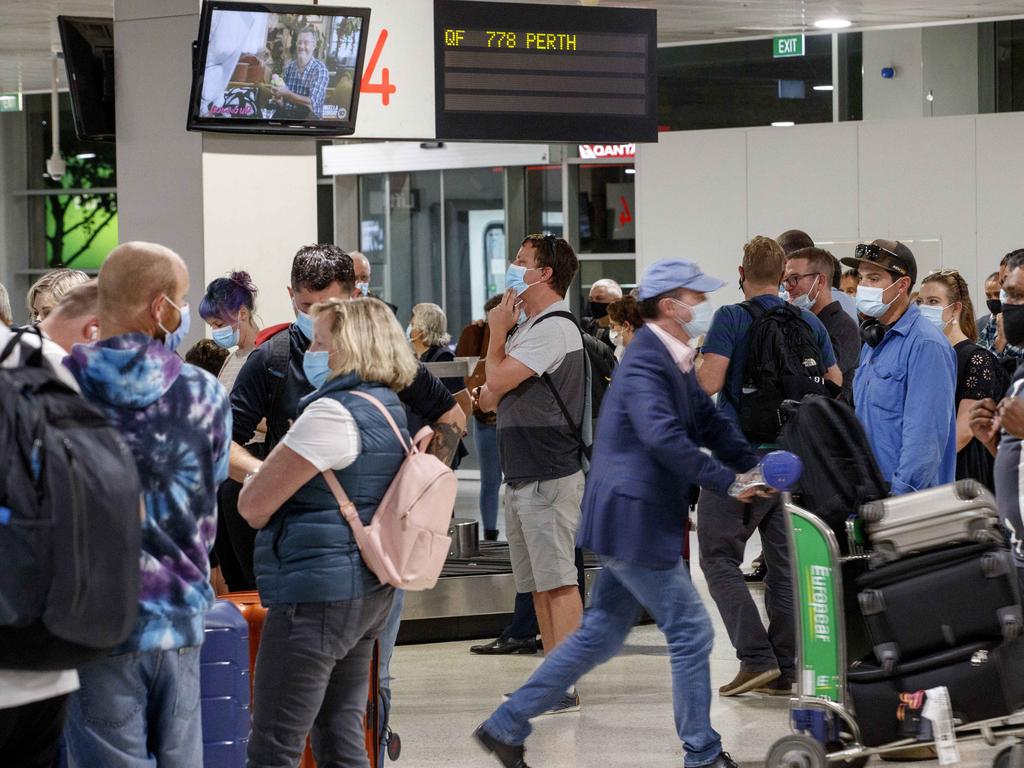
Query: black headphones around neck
x=872, y=332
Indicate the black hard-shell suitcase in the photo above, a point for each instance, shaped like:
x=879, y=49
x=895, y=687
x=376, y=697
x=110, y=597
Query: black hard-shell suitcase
x=985, y=681
x=939, y=600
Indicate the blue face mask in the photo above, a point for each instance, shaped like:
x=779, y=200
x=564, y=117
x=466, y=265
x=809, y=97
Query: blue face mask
x=364, y=288
x=305, y=323
x=933, y=315
x=317, y=367
x=870, y=301
x=515, y=277
x=226, y=337
x=172, y=339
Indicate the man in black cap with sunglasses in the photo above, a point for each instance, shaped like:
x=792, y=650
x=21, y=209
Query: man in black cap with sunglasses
x=905, y=385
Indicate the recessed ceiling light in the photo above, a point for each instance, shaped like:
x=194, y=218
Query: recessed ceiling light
x=631, y=171
x=86, y=155
x=832, y=23
x=783, y=124
x=823, y=87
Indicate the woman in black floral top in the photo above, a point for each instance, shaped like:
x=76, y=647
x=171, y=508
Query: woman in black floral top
x=945, y=300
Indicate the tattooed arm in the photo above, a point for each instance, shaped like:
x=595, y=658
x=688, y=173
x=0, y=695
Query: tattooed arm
x=448, y=431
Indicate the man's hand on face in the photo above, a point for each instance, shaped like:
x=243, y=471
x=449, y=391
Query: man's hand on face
x=502, y=318
x=982, y=419
x=1011, y=416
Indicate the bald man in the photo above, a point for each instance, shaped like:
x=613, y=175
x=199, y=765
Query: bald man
x=142, y=702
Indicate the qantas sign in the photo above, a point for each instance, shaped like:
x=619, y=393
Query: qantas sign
x=596, y=151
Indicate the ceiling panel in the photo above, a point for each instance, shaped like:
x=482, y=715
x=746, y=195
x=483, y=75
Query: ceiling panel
x=28, y=28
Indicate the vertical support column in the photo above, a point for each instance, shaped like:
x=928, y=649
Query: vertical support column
x=222, y=201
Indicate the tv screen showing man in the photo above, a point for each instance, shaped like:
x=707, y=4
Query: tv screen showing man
x=279, y=66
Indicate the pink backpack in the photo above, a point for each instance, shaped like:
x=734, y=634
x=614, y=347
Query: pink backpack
x=406, y=543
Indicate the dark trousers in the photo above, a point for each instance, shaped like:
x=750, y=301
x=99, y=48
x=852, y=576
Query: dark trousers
x=524, y=620
x=312, y=675
x=29, y=734
x=724, y=526
x=235, y=540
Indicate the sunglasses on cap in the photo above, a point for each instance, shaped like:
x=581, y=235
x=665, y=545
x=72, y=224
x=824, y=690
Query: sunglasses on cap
x=883, y=257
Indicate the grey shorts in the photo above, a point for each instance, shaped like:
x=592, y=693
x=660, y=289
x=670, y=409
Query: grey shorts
x=541, y=520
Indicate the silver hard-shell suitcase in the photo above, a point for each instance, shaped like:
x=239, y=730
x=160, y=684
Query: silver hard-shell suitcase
x=963, y=511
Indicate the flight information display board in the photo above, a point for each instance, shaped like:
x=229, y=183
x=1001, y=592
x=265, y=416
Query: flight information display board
x=558, y=73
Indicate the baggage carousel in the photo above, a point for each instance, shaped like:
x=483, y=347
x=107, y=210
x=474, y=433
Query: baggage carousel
x=474, y=598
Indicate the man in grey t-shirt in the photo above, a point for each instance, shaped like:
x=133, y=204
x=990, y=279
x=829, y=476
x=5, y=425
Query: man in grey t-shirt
x=540, y=440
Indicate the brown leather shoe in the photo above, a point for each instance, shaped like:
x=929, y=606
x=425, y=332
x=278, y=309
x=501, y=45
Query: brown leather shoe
x=748, y=681
x=779, y=687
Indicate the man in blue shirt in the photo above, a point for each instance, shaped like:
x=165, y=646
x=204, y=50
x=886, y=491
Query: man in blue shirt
x=653, y=425
x=905, y=385
x=767, y=658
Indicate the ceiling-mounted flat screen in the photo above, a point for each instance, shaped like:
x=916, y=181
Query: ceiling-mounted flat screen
x=523, y=72
x=267, y=68
x=88, y=46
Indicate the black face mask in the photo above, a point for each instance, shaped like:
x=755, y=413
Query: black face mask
x=1013, y=324
x=598, y=310
x=995, y=306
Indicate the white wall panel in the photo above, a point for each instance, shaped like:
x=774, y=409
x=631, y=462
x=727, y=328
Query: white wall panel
x=692, y=191
x=916, y=181
x=1000, y=141
x=803, y=178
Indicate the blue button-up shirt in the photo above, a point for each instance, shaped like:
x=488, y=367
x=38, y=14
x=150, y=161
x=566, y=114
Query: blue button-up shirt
x=904, y=393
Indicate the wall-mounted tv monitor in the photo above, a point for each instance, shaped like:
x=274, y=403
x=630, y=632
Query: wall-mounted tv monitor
x=88, y=46
x=266, y=68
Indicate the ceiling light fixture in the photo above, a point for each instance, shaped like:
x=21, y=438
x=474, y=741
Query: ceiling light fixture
x=823, y=87
x=832, y=23
x=86, y=155
x=783, y=124
x=630, y=171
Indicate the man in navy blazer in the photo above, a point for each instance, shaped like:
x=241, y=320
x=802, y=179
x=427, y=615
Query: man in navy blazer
x=654, y=422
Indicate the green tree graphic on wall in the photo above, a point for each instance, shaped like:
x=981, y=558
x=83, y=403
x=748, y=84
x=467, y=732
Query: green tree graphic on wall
x=81, y=228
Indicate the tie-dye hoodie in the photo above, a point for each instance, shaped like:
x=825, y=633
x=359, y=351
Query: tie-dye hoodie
x=177, y=420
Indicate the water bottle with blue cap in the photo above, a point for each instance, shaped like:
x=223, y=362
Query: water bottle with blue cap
x=777, y=471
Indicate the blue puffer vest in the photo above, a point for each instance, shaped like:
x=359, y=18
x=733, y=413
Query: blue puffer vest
x=307, y=553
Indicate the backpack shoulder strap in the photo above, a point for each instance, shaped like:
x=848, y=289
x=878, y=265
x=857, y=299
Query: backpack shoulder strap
x=279, y=356
x=426, y=432
x=560, y=313
x=30, y=355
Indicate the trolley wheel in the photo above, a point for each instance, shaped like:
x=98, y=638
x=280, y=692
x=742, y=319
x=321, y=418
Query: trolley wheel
x=394, y=746
x=1010, y=757
x=797, y=751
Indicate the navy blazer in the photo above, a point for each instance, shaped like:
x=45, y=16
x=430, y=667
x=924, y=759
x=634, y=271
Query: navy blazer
x=647, y=457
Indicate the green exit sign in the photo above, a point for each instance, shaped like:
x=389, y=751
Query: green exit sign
x=10, y=102
x=787, y=45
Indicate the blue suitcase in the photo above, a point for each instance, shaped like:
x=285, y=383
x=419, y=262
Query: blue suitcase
x=224, y=686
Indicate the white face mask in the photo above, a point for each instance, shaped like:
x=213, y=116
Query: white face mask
x=702, y=315
x=804, y=300
x=933, y=315
x=870, y=302
x=616, y=337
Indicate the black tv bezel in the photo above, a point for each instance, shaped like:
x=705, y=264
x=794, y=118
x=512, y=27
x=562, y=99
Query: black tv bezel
x=72, y=71
x=272, y=127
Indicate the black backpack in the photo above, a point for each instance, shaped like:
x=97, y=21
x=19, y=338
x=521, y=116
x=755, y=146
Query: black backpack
x=70, y=521
x=840, y=470
x=784, y=362
x=599, y=355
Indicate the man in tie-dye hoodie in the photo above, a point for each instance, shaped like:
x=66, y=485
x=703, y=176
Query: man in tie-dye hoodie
x=142, y=702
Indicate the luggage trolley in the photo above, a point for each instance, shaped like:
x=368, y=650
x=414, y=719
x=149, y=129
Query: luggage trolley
x=824, y=725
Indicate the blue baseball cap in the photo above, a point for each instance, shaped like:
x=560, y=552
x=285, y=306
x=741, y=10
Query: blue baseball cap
x=669, y=274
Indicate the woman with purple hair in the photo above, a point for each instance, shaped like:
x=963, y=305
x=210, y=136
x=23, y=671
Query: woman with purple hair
x=228, y=308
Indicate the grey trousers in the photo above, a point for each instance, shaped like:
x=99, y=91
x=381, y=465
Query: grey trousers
x=312, y=675
x=723, y=527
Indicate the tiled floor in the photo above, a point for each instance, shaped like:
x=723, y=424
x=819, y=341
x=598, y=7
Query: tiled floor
x=442, y=692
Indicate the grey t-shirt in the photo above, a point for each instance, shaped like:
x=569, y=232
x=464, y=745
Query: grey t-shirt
x=1008, y=480
x=535, y=442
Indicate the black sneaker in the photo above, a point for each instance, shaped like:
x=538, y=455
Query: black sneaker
x=757, y=575
x=509, y=755
x=568, y=703
x=724, y=760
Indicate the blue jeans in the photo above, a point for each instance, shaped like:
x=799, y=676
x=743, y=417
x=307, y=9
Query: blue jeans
x=388, y=638
x=621, y=589
x=486, y=438
x=135, y=708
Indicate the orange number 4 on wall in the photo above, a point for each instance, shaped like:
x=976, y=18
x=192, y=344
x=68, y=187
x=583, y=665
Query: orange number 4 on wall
x=384, y=87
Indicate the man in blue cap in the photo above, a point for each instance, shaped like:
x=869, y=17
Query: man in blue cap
x=653, y=425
